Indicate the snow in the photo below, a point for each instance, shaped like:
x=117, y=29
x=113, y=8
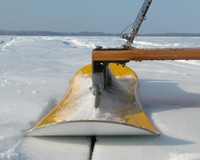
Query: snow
x=110, y=104
x=35, y=74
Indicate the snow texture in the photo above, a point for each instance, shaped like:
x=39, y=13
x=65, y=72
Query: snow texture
x=112, y=102
x=35, y=74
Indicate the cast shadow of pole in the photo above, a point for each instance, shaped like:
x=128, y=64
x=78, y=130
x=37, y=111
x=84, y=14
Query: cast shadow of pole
x=159, y=92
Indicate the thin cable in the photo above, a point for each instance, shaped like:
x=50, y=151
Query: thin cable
x=119, y=35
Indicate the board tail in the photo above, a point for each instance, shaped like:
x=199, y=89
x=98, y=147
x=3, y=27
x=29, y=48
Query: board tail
x=119, y=111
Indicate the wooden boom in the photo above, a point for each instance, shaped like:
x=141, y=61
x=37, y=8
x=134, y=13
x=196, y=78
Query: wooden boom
x=145, y=54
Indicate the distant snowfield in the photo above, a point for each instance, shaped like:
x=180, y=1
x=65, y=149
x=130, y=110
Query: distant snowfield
x=35, y=74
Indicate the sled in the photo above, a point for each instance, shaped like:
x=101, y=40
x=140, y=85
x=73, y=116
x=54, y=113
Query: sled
x=119, y=111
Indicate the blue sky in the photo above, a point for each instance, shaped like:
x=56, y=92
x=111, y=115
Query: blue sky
x=110, y=16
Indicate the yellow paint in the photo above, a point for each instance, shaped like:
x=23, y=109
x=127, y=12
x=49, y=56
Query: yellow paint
x=140, y=120
x=120, y=71
x=50, y=118
x=132, y=115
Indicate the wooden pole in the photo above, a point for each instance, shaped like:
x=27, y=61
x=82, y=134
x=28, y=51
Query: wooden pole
x=145, y=54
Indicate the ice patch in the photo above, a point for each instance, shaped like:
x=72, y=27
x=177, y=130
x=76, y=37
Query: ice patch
x=55, y=148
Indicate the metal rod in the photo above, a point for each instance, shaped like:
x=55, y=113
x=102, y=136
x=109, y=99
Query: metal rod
x=138, y=21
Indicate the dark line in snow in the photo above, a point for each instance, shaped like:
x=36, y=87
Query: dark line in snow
x=92, y=145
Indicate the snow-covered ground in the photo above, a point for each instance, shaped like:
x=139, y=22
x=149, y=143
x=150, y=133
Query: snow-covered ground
x=35, y=74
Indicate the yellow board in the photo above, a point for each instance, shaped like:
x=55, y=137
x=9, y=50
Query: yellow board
x=119, y=112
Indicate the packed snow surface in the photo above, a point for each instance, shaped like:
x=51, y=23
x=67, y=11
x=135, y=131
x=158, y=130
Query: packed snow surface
x=111, y=102
x=35, y=74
